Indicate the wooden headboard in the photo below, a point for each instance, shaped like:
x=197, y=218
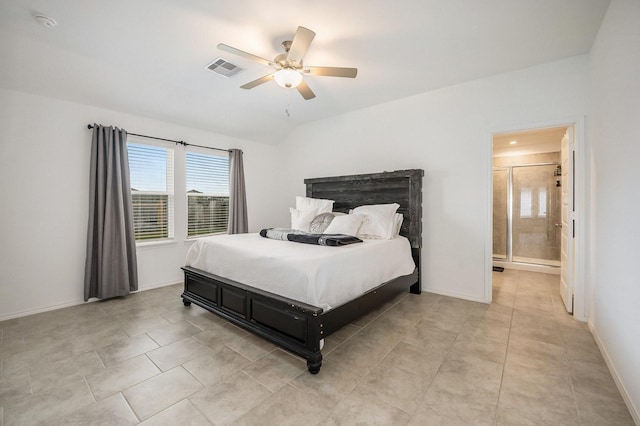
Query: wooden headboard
x=402, y=186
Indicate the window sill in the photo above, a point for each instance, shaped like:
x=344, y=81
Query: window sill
x=155, y=244
x=199, y=237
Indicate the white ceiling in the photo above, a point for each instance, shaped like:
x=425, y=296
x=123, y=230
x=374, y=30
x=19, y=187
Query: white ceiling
x=148, y=57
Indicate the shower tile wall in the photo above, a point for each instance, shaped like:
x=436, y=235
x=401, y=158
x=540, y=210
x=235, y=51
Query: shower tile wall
x=536, y=209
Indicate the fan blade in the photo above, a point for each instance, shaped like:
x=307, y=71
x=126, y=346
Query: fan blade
x=300, y=44
x=332, y=71
x=305, y=91
x=239, y=52
x=259, y=81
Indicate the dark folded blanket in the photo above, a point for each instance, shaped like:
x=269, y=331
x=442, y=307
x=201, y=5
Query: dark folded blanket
x=306, y=238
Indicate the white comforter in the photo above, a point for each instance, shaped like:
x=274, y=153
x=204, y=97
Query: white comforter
x=321, y=276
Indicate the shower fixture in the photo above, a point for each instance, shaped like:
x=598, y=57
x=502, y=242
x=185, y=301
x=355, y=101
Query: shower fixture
x=558, y=172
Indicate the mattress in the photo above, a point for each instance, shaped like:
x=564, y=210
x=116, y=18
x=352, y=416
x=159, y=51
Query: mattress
x=321, y=276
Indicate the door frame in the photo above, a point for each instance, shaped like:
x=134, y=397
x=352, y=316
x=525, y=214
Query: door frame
x=581, y=304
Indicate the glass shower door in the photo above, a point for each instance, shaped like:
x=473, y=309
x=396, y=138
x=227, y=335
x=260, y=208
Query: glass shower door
x=500, y=213
x=536, y=221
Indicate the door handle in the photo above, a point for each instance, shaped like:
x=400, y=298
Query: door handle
x=558, y=225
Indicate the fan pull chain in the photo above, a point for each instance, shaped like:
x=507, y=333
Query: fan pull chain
x=286, y=109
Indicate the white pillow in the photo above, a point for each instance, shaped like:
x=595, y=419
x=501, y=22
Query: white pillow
x=383, y=209
x=301, y=219
x=398, y=218
x=345, y=224
x=379, y=221
x=306, y=203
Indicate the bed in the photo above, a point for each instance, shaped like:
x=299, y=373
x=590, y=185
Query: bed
x=301, y=327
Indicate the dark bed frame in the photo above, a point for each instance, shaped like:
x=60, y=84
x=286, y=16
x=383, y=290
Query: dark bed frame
x=299, y=327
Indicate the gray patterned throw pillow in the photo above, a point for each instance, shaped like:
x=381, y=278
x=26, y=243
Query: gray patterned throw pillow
x=320, y=223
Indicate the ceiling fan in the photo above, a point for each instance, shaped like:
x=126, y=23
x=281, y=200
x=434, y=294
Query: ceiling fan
x=289, y=69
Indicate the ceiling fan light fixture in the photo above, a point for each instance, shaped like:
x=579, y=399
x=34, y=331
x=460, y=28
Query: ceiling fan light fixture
x=288, y=78
x=287, y=69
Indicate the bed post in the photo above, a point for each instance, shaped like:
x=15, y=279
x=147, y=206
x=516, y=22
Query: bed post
x=415, y=201
x=417, y=287
x=316, y=333
x=314, y=363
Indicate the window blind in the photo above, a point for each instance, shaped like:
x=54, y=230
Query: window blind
x=151, y=169
x=207, y=178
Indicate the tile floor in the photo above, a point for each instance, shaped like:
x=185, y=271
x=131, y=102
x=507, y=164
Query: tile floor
x=420, y=360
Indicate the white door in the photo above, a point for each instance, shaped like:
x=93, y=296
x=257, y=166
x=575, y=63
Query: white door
x=567, y=271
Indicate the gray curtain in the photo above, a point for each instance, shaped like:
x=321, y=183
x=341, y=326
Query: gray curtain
x=111, y=266
x=238, y=221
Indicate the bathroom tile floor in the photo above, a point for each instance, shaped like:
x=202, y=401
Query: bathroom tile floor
x=419, y=360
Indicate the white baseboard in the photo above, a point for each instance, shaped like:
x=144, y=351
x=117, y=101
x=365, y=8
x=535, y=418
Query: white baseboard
x=41, y=310
x=456, y=295
x=633, y=410
x=72, y=303
x=152, y=286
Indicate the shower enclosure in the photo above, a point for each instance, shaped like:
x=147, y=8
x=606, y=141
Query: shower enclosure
x=526, y=214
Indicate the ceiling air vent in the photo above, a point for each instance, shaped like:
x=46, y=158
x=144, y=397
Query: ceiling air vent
x=224, y=67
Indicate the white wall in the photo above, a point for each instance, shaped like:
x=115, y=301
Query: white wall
x=44, y=178
x=615, y=97
x=448, y=134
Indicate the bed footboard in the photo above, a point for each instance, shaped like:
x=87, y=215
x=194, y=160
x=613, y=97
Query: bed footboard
x=293, y=325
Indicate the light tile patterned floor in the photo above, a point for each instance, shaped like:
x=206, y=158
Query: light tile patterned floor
x=420, y=360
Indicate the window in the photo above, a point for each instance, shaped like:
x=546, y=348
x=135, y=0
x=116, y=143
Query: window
x=525, y=202
x=207, y=193
x=151, y=169
x=542, y=201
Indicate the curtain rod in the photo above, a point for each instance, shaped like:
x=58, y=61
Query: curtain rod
x=183, y=143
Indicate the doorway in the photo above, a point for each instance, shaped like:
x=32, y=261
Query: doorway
x=527, y=199
x=533, y=204
x=575, y=215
